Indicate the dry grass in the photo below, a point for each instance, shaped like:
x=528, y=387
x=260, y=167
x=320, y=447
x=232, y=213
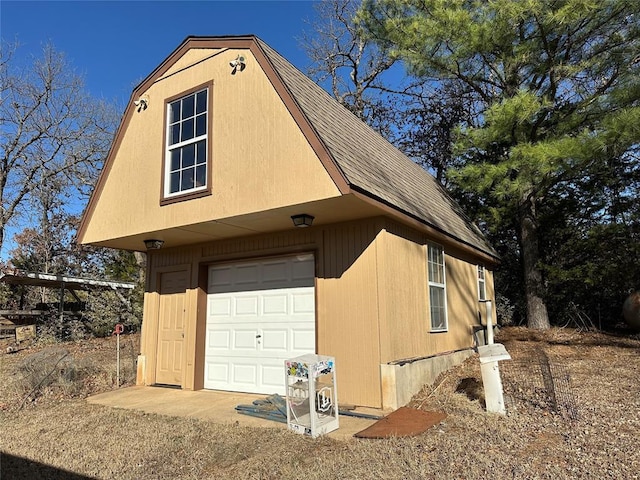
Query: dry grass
x=531, y=442
x=45, y=372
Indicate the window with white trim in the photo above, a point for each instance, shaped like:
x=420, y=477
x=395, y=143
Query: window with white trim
x=187, y=138
x=437, y=288
x=482, y=289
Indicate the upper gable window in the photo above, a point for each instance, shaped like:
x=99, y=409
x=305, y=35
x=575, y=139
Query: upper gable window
x=186, y=144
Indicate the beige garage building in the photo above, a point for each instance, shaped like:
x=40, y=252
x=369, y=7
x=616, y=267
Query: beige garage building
x=223, y=147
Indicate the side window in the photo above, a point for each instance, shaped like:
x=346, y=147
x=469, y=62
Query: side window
x=482, y=289
x=187, y=133
x=437, y=288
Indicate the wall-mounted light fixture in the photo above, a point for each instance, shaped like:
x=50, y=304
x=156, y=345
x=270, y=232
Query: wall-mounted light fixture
x=302, y=220
x=237, y=64
x=153, y=244
x=142, y=103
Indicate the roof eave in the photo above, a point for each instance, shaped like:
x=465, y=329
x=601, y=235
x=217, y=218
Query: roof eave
x=487, y=254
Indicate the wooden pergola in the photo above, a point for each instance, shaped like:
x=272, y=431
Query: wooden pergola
x=61, y=283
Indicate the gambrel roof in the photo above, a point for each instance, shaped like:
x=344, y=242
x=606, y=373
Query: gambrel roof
x=372, y=165
x=358, y=159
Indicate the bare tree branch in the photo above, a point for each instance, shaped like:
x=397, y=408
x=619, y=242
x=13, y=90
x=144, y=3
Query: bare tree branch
x=51, y=131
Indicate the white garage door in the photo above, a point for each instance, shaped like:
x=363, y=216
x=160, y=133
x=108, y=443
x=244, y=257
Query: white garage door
x=259, y=313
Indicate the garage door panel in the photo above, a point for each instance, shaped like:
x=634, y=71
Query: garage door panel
x=244, y=340
x=246, y=305
x=246, y=275
x=303, y=303
x=219, y=306
x=244, y=374
x=298, y=271
x=221, y=277
x=276, y=341
x=275, y=272
x=272, y=379
x=247, y=320
x=303, y=269
x=260, y=313
x=219, y=339
x=264, y=306
x=217, y=372
x=275, y=304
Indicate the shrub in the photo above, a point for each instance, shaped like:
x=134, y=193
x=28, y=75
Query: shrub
x=54, y=370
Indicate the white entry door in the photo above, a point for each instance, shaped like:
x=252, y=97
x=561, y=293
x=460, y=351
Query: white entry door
x=259, y=313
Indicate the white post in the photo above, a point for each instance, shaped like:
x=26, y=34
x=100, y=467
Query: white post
x=490, y=355
x=119, y=328
x=118, y=359
x=493, y=395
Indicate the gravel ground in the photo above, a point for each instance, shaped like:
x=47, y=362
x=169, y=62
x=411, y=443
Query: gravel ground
x=587, y=426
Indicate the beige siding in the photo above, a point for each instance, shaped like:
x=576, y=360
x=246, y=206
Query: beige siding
x=405, y=303
x=346, y=300
x=190, y=58
x=148, y=338
x=260, y=158
x=371, y=298
x=462, y=301
x=347, y=310
x=403, y=298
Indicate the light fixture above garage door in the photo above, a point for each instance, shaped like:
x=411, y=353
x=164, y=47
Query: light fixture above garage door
x=302, y=220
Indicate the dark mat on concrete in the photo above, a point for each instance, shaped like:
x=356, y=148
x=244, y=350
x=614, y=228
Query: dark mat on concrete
x=404, y=422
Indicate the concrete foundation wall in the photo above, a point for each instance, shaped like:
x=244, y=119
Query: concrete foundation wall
x=401, y=382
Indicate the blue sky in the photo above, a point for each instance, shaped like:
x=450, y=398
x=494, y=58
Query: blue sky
x=115, y=44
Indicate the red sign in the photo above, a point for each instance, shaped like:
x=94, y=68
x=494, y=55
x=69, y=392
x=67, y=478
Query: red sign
x=119, y=329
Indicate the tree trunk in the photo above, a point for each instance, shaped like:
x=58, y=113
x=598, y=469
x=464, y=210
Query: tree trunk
x=537, y=316
x=141, y=261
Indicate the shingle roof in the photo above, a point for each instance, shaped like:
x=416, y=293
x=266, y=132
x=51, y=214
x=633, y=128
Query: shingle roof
x=371, y=164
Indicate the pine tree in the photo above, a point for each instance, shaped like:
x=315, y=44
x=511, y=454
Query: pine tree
x=557, y=85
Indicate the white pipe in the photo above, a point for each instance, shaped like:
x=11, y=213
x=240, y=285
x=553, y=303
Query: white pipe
x=489, y=322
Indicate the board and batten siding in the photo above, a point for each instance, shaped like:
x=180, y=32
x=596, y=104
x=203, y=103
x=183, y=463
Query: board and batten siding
x=371, y=299
x=404, y=297
x=404, y=305
x=347, y=294
x=346, y=299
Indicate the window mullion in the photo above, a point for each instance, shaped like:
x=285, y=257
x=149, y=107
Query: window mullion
x=187, y=142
